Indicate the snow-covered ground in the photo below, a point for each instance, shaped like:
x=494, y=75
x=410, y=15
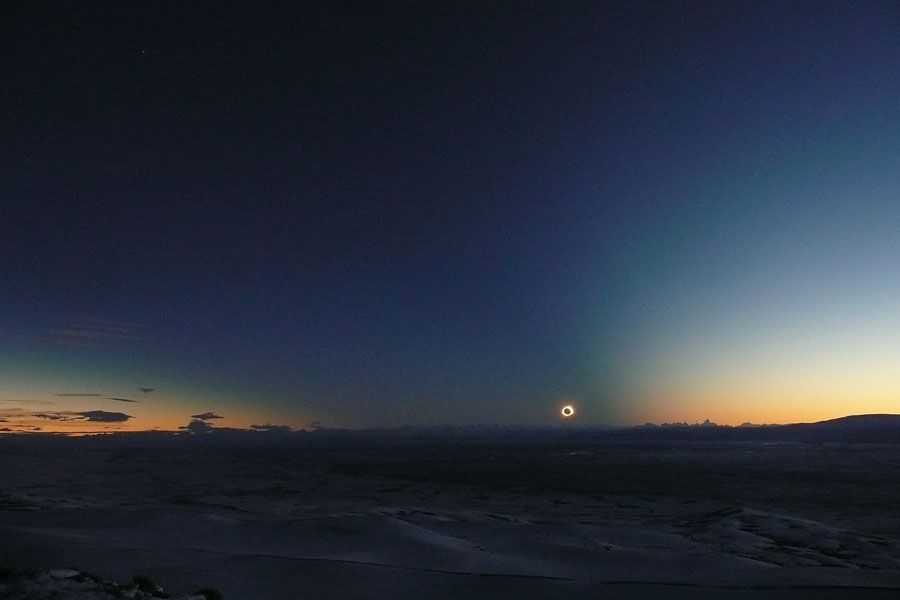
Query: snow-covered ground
x=267, y=523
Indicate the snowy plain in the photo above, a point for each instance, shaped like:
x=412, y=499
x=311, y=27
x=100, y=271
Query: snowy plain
x=447, y=518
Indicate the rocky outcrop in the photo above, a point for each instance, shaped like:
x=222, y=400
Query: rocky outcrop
x=56, y=584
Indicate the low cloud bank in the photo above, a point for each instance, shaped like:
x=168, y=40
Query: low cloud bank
x=197, y=426
x=270, y=427
x=200, y=424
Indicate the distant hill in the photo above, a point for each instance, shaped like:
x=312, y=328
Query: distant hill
x=854, y=428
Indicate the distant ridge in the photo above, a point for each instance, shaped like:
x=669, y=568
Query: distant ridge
x=854, y=428
x=860, y=420
x=879, y=427
x=872, y=428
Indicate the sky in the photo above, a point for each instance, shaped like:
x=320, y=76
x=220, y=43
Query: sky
x=352, y=215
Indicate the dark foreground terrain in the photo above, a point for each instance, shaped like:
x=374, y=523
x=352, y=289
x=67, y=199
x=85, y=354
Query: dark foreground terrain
x=448, y=518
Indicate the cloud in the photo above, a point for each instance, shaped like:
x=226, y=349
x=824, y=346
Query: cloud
x=6, y=400
x=147, y=390
x=206, y=416
x=96, y=416
x=89, y=331
x=102, y=416
x=80, y=395
x=52, y=417
x=4, y=420
x=5, y=429
x=197, y=426
x=270, y=427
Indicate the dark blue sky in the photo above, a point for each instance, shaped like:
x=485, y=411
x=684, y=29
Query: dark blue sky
x=452, y=214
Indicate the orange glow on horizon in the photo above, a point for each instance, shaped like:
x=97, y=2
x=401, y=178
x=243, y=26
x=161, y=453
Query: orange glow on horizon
x=63, y=419
x=758, y=408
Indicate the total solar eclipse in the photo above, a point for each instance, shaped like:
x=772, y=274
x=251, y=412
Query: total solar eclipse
x=568, y=410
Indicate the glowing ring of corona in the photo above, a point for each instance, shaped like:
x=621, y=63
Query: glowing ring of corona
x=568, y=410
